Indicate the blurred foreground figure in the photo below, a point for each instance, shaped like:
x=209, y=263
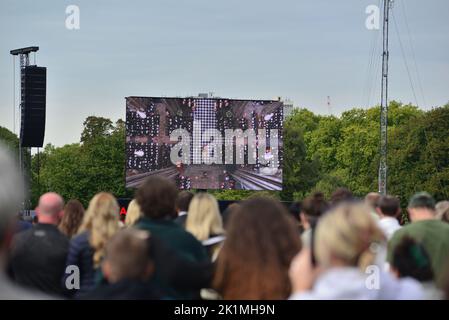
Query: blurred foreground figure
x=346, y=246
x=261, y=241
x=133, y=213
x=38, y=254
x=11, y=198
x=128, y=268
x=431, y=233
x=312, y=209
x=442, y=209
x=410, y=259
x=388, y=209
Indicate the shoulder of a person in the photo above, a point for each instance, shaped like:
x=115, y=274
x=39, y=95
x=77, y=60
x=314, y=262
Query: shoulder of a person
x=80, y=239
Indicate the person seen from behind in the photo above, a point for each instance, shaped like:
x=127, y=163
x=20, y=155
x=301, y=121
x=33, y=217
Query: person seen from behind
x=388, y=209
x=182, y=206
x=38, y=254
x=72, y=218
x=261, y=240
x=133, y=214
x=312, y=209
x=345, y=250
x=128, y=268
x=86, y=251
x=431, y=233
x=410, y=259
x=205, y=223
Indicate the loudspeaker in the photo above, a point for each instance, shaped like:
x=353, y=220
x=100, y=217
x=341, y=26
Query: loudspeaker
x=33, y=97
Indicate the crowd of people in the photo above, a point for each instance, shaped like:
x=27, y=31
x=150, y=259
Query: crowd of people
x=178, y=245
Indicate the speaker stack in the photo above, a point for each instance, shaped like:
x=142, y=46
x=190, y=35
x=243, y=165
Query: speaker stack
x=33, y=97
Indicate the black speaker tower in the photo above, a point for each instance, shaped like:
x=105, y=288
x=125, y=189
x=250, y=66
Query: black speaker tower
x=33, y=86
x=33, y=89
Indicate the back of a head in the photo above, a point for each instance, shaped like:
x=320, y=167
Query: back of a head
x=422, y=200
x=156, y=198
x=228, y=212
x=295, y=209
x=314, y=207
x=101, y=221
x=261, y=241
x=11, y=190
x=442, y=209
x=50, y=204
x=183, y=200
x=410, y=259
x=347, y=232
x=72, y=218
x=133, y=213
x=203, y=218
x=128, y=255
x=341, y=195
x=389, y=205
x=372, y=199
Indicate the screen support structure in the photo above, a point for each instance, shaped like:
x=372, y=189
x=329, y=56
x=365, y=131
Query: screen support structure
x=24, y=152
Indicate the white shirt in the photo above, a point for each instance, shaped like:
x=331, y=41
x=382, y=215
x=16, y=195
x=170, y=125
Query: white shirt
x=389, y=226
x=349, y=283
x=182, y=213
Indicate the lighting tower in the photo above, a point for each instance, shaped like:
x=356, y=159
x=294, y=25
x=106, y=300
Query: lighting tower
x=387, y=4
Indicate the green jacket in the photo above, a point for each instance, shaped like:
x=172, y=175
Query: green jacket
x=434, y=236
x=174, y=236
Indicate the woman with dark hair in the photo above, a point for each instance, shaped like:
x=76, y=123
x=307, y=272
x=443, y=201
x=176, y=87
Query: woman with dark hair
x=312, y=209
x=253, y=263
x=72, y=218
x=410, y=259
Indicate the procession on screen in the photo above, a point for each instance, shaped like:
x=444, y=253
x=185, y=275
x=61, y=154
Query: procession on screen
x=205, y=143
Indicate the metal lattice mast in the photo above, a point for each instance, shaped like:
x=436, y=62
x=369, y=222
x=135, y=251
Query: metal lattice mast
x=383, y=169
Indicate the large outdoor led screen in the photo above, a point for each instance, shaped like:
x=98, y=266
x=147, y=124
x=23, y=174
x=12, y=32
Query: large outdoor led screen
x=205, y=143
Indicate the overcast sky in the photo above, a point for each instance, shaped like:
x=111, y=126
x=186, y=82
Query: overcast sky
x=302, y=50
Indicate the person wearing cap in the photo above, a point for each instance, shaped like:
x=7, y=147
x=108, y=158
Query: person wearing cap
x=430, y=232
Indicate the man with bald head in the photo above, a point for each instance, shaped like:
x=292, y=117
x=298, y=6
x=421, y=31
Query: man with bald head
x=39, y=254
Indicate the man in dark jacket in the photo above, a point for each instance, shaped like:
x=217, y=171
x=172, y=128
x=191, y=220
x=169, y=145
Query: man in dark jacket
x=156, y=198
x=182, y=206
x=38, y=255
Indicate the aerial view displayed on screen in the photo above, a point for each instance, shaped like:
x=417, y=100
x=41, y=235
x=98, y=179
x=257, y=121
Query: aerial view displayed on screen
x=205, y=143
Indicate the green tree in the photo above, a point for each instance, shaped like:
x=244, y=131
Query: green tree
x=94, y=127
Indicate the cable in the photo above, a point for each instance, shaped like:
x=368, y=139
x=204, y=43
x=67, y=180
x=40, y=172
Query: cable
x=372, y=65
x=413, y=52
x=404, y=57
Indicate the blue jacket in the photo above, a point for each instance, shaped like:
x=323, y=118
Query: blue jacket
x=81, y=255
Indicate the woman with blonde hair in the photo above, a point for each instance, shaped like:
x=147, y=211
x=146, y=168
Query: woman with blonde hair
x=205, y=223
x=347, y=246
x=133, y=213
x=100, y=223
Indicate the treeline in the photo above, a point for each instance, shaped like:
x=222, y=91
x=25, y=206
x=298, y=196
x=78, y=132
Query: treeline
x=320, y=153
